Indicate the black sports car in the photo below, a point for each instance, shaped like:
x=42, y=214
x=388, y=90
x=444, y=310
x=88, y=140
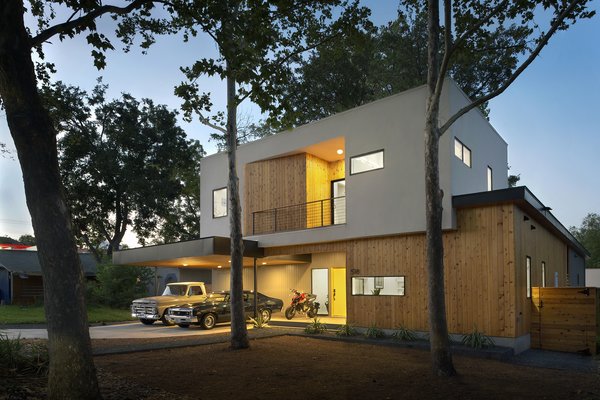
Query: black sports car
x=217, y=308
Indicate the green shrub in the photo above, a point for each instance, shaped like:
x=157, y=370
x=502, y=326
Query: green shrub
x=315, y=327
x=374, y=332
x=404, y=334
x=477, y=340
x=346, y=330
x=116, y=286
x=23, y=357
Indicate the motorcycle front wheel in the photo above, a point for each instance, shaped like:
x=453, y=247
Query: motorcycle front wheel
x=290, y=312
x=311, y=313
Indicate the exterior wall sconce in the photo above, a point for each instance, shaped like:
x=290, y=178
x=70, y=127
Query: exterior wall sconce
x=532, y=227
x=525, y=218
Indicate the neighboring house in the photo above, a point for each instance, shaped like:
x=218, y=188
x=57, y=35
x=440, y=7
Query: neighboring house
x=21, y=276
x=337, y=207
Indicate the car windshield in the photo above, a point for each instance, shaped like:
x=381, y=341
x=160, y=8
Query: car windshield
x=175, y=290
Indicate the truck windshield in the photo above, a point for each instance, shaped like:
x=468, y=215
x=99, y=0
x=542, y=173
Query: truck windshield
x=175, y=290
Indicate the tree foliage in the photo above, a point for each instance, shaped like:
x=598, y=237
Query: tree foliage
x=117, y=285
x=28, y=240
x=125, y=164
x=588, y=234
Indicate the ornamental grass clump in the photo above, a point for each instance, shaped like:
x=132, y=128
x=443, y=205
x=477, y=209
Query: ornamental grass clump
x=315, y=327
x=477, y=340
x=23, y=357
x=259, y=322
x=374, y=332
x=346, y=330
x=404, y=334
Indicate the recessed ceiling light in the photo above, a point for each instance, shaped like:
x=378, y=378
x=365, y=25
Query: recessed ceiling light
x=219, y=266
x=340, y=151
x=264, y=263
x=229, y=261
x=185, y=265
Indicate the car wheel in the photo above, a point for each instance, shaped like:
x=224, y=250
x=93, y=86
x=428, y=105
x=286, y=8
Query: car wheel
x=184, y=325
x=147, y=321
x=290, y=312
x=265, y=313
x=164, y=319
x=208, y=321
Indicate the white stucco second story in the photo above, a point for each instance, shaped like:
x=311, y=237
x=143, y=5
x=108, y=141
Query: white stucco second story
x=356, y=174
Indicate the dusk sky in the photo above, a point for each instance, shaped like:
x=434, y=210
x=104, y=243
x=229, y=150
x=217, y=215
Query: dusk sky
x=550, y=116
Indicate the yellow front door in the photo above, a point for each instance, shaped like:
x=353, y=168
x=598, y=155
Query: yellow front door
x=338, y=292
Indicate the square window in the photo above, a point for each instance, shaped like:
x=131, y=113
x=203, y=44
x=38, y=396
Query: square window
x=220, y=202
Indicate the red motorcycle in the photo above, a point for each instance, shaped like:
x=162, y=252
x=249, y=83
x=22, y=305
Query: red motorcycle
x=303, y=303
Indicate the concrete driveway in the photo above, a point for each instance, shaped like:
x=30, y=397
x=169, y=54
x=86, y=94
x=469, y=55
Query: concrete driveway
x=133, y=330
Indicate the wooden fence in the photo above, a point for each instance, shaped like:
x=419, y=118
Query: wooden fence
x=565, y=319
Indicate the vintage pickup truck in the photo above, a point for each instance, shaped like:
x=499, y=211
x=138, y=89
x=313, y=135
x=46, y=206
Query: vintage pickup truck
x=152, y=309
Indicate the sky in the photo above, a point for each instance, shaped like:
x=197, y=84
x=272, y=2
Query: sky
x=550, y=116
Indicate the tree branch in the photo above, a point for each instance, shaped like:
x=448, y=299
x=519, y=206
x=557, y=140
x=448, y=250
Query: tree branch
x=541, y=44
x=207, y=122
x=85, y=20
x=288, y=57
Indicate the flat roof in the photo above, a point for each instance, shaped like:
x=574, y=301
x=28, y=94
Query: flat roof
x=208, y=252
x=527, y=201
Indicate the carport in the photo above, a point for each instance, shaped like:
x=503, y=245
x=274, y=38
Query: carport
x=210, y=252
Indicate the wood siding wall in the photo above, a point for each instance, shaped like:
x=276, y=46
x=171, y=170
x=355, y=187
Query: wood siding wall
x=288, y=181
x=479, y=277
x=278, y=182
x=565, y=319
x=27, y=291
x=540, y=245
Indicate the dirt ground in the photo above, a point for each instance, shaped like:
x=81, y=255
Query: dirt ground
x=304, y=368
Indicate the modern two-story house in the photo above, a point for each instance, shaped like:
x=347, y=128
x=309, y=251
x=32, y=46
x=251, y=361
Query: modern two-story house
x=337, y=207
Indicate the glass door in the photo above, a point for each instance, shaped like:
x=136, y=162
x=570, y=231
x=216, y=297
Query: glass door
x=338, y=202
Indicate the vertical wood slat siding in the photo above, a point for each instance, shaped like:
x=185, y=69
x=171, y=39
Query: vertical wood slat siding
x=477, y=281
x=567, y=320
x=317, y=188
x=540, y=245
x=275, y=183
x=275, y=281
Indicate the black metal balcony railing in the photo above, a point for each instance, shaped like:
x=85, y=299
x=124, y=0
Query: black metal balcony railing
x=314, y=214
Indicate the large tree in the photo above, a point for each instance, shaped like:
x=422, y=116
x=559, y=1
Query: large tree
x=125, y=164
x=71, y=371
x=492, y=30
x=589, y=236
x=257, y=41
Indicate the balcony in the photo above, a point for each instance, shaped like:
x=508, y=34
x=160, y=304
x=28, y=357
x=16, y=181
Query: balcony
x=314, y=214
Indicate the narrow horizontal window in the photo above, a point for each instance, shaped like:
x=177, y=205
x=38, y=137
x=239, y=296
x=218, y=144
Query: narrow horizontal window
x=220, y=202
x=366, y=162
x=378, y=286
x=462, y=152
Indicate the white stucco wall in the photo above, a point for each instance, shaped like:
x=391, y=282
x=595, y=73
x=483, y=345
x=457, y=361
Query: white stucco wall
x=386, y=201
x=592, y=277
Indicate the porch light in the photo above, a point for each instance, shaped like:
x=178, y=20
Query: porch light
x=340, y=151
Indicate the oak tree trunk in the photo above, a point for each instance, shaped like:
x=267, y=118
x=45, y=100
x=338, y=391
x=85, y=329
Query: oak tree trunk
x=72, y=374
x=441, y=356
x=239, y=333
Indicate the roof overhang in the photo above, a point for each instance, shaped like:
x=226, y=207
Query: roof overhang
x=209, y=252
x=522, y=197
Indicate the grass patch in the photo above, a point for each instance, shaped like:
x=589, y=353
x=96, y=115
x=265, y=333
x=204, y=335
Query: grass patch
x=35, y=314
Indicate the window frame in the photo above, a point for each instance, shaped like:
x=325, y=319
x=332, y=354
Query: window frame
x=528, y=277
x=543, y=271
x=226, y=202
x=462, y=152
x=379, y=276
x=382, y=151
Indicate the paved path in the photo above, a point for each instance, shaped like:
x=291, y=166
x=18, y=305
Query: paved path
x=133, y=330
